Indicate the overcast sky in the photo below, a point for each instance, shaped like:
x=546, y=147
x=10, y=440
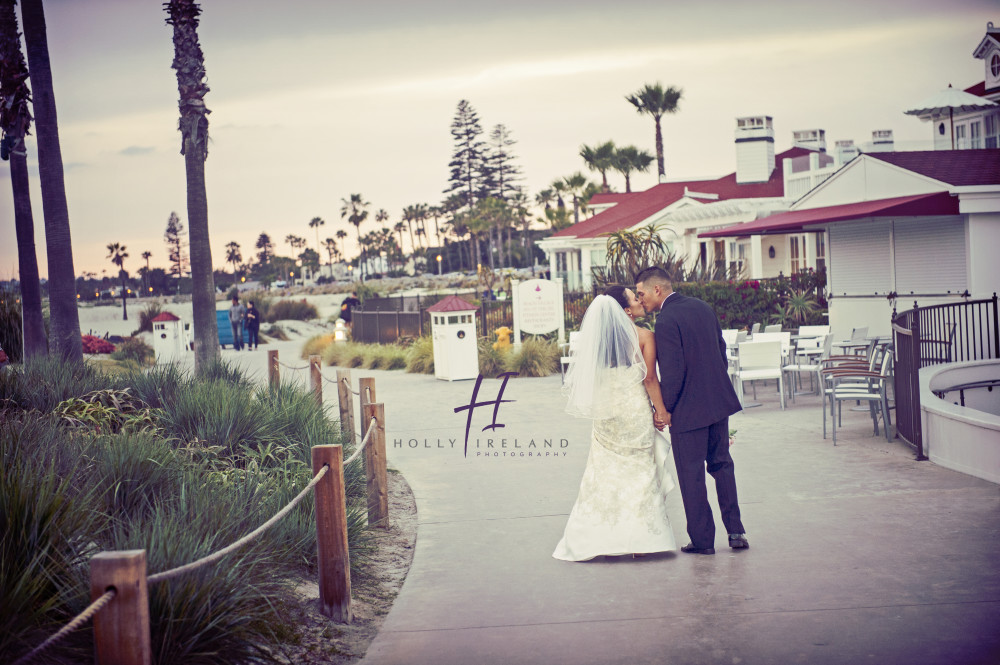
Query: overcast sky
x=315, y=100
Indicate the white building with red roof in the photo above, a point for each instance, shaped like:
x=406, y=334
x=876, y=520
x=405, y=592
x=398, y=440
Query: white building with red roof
x=763, y=183
x=905, y=225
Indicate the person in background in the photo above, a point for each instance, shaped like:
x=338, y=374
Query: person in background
x=349, y=303
x=253, y=325
x=236, y=314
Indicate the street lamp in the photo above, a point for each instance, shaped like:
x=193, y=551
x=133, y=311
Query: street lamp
x=439, y=263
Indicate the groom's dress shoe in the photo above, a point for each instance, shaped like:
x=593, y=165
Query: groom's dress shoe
x=739, y=542
x=691, y=549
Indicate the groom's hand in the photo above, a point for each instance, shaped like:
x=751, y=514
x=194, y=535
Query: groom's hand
x=661, y=419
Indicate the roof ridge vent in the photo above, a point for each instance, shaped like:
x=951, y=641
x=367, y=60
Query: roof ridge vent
x=699, y=195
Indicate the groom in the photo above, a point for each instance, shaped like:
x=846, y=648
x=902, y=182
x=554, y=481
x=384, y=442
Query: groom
x=694, y=381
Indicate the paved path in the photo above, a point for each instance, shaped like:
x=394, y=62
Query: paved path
x=859, y=554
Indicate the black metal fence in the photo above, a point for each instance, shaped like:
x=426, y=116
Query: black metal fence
x=385, y=320
x=380, y=327
x=925, y=336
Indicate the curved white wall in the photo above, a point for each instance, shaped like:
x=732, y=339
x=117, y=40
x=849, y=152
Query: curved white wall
x=957, y=437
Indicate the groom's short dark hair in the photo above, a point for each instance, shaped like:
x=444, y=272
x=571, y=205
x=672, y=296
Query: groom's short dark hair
x=653, y=274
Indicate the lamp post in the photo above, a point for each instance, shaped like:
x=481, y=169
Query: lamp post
x=439, y=263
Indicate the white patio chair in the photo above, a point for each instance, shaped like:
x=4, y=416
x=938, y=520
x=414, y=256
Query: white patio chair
x=759, y=361
x=811, y=366
x=773, y=328
x=863, y=386
x=564, y=362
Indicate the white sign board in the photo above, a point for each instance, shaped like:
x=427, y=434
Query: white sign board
x=538, y=308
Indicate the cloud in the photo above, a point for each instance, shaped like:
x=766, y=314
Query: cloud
x=134, y=150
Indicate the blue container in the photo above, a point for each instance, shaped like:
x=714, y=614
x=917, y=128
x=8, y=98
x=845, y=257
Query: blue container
x=226, y=330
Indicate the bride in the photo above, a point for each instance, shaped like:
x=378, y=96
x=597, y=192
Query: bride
x=621, y=507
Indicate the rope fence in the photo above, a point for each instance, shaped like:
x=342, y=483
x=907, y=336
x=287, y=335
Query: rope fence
x=253, y=535
x=124, y=639
x=372, y=424
x=77, y=622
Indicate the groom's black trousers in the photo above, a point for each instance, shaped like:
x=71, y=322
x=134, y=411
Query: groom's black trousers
x=694, y=450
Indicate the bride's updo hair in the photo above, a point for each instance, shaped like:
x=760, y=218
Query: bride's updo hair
x=617, y=291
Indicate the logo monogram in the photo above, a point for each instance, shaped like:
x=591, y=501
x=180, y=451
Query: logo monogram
x=471, y=406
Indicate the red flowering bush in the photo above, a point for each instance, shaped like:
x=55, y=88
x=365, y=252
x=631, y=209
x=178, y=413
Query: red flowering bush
x=93, y=344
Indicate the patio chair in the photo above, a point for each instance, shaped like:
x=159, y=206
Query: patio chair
x=759, y=361
x=939, y=349
x=773, y=328
x=810, y=366
x=755, y=329
x=862, y=386
x=564, y=362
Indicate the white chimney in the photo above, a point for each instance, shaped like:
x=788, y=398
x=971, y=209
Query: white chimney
x=846, y=151
x=811, y=139
x=754, y=149
x=882, y=141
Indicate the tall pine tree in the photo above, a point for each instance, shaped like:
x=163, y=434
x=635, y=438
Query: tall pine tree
x=468, y=162
x=503, y=171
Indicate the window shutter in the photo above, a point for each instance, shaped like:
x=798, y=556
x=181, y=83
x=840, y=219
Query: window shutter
x=930, y=256
x=859, y=258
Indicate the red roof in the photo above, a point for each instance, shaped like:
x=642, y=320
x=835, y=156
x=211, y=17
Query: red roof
x=165, y=316
x=979, y=89
x=939, y=203
x=959, y=168
x=451, y=304
x=633, y=208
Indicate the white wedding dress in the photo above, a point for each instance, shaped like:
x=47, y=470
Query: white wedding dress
x=621, y=508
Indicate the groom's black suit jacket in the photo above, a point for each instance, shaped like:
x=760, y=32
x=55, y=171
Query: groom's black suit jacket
x=691, y=355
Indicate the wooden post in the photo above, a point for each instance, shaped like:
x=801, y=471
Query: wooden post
x=346, y=399
x=316, y=379
x=331, y=534
x=366, y=391
x=273, y=378
x=375, y=466
x=121, y=629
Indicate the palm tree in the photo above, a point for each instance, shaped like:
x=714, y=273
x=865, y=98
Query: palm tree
x=653, y=100
x=545, y=198
x=265, y=246
x=15, y=119
x=353, y=209
x=315, y=223
x=382, y=216
x=233, y=255
x=436, y=212
x=398, y=228
x=600, y=159
x=190, y=66
x=64, y=320
x=629, y=159
x=331, y=248
x=575, y=185
x=145, y=284
x=117, y=254
x=409, y=216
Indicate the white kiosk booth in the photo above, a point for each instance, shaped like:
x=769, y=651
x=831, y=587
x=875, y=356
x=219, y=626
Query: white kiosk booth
x=453, y=328
x=170, y=337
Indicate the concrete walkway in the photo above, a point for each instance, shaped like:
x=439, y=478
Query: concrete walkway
x=859, y=553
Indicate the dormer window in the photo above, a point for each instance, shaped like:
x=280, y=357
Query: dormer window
x=995, y=65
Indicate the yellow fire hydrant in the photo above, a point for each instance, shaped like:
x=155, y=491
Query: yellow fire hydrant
x=503, y=338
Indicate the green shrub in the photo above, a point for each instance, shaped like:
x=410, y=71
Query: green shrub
x=135, y=349
x=10, y=322
x=297, y=310
x=315, y=346
x=345, y=354
x=146, y=316
x=536, y=357
x=44, y=382
x=491, y=361
x=420, y=357
x=276, y=332
x=65, y=494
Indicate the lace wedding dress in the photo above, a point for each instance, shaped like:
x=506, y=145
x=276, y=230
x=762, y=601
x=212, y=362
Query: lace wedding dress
x=621, y=508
